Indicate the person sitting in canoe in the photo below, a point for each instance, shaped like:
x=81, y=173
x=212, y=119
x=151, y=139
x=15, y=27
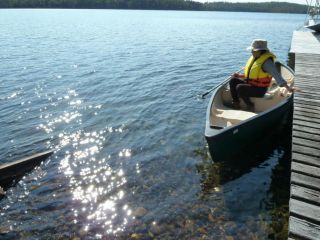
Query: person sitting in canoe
x=258, y=73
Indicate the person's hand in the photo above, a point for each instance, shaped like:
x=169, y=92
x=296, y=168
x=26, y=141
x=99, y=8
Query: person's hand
x=237, y=75
x=291, y=89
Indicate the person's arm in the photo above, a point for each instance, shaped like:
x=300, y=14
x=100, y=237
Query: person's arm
x=270, y=68
x=238, y=74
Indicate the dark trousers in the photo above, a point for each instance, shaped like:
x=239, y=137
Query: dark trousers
x=241, y=89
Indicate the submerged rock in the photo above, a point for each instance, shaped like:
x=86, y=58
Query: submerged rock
x=4, y=229
x=230, y=227
x=202, y=230
x=189, y=224
x=140, y=212
x=136, y=236
x=156, y=229
x=211, y=218
x=229, y=238
x=2, y=192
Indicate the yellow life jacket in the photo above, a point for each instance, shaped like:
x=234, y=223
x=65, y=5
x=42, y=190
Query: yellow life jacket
x=254, y=73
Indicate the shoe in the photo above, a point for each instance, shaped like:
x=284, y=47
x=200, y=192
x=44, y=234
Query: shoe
x=233, y=105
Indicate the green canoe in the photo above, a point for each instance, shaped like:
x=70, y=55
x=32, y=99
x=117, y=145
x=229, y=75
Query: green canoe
x=229, y=132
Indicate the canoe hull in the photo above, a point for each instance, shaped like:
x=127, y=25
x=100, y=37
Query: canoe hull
x=12, y=172
x=235, y=140
x=315, y=27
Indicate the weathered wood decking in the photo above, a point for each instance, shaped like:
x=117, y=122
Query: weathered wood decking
x=304, y=221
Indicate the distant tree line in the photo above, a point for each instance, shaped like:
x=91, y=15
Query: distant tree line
x=277, y=7
x=107, y=4
x=273, y=7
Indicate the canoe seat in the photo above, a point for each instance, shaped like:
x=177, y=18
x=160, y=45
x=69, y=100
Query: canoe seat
x=234, y=116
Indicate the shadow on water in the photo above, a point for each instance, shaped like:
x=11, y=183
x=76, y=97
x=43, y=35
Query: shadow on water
x=276, y=144
x=280, y=184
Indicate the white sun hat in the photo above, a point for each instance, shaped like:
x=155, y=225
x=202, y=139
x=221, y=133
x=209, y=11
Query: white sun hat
x=258, y=45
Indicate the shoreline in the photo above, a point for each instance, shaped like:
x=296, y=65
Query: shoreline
x=126, y=9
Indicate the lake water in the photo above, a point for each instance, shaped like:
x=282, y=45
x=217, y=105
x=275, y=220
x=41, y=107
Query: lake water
x=116, y=94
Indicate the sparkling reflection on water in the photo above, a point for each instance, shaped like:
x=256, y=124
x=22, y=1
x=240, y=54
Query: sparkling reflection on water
x=94, y=184
x=121, y=112
x=96, y=187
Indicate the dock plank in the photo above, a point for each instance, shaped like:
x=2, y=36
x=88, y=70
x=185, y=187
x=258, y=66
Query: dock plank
x=305, y=129
x=306, y=142
x=306, y=169
x=302, y=85
x=306, y=78
x=302, y=228
x=313, y=101
x=308, y=91
x=305, y=135
x=306, y=150
x=311, y=160
x=307, y=71
x=306, y=181
x=307, y=88
x=306, y=108
x=307, y=83
x=306, y=101
x=310, y=87
x=309, y=117
x=313, y=116
x=309, y=96
x=305, y=194
x=305, y=210
x=298, y=120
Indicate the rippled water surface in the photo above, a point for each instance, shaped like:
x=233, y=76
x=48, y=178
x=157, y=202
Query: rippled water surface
x=116, y=95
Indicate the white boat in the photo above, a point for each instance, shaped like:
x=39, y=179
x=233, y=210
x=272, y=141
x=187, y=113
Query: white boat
x=313, y=15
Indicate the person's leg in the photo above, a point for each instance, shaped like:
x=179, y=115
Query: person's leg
x=245, y=91
x=234, y=82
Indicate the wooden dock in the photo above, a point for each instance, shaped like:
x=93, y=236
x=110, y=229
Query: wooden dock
x=304, y=206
